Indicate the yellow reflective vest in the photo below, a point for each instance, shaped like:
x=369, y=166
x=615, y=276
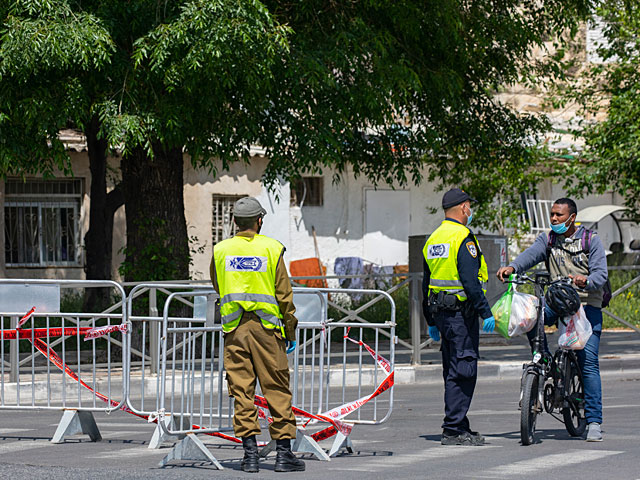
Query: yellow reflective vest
x=441, y=255
x=246, y=274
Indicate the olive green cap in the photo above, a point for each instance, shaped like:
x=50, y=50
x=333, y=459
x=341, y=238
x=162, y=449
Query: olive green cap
x=248, y=207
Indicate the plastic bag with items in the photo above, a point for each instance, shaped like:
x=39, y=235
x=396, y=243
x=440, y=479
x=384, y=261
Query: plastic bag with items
x=501, y=311
x=575, y=331
x=524, y=313
x=515, y=313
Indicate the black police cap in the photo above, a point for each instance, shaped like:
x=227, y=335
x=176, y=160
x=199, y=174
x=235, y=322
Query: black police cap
x=454, y=197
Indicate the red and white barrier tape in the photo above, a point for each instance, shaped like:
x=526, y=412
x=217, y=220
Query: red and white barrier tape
x=26, y=317
x=98, y=332
x=42, y=332
x=332, y=416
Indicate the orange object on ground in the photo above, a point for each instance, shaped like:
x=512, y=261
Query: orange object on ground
x=308, y=267
x=400, y=269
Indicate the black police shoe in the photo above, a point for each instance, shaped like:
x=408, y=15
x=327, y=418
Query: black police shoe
x=250, y=461
x=465, y=438
x=286, y=461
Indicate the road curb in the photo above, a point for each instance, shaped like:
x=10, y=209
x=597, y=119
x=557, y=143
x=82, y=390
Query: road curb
x=432, y=373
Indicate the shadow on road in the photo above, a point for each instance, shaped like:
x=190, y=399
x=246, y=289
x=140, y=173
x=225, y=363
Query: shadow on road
x=541, y=436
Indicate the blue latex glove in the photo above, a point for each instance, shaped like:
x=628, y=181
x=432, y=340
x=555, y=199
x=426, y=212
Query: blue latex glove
x=489, y=324
x=434, y=333
x=291, y=346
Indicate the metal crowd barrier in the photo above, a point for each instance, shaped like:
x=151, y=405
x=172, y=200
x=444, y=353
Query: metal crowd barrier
x=172, y=371
x=143, y=355
x=50, y=364
x=349, y=371
x=334, y=384
x=191, y=397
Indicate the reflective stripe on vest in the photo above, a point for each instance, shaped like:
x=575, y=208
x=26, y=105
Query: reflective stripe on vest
x=246, y=274
x=248, y=297
x=441, y=254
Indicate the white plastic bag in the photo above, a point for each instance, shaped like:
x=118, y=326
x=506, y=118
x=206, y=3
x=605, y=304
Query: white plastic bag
x=524, y=313
x=575, y=334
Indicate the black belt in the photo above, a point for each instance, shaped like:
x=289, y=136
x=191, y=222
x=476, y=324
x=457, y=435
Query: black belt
x=444, y=301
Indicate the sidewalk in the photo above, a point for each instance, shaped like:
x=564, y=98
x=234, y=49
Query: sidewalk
x=502, y=358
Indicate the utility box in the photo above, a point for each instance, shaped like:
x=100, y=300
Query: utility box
x=494, y=249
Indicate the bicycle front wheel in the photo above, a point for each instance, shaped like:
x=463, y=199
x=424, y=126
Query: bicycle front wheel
x=529, y=408
x=573, y=409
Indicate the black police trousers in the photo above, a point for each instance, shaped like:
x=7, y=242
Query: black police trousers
x=460, y=335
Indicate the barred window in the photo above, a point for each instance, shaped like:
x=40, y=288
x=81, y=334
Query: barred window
x=223, y=225
x=42, y=222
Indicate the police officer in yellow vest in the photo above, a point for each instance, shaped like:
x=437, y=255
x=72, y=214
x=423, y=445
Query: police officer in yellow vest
x=454, y=286
x=256, y=305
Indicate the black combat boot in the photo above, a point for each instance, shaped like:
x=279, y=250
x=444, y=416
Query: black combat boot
x=286, y=461
x=250, y=460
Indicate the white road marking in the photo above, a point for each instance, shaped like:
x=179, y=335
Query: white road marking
x=129, y=452
x=119, y=433
x=433, y=453
x=103, y=425
x=354, y=469
x=23, y=445
x=546, y=462
x=4, y=431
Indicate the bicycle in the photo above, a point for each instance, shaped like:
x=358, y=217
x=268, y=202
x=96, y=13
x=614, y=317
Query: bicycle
x=549, y=382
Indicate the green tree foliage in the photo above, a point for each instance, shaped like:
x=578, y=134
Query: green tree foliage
x=612, y=86
x=41, y=42
x=390, y=90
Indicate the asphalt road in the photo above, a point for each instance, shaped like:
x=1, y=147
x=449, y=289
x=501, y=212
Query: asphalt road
x=407, y=446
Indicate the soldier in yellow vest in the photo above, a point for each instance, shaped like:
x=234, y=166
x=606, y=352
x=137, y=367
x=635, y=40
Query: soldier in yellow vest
x=256, y=305
x=454, y=286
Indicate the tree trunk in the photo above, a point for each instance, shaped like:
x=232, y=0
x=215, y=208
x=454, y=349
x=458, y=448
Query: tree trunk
x=99, y=238
x=157, y=244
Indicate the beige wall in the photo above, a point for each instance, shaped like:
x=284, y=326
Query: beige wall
x=199, y=188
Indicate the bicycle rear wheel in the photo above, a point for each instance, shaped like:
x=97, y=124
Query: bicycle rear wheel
x=573, y=409
x=530, y=408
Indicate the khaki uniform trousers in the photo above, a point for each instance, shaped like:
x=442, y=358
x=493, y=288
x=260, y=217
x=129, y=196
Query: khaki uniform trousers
x=252, y=351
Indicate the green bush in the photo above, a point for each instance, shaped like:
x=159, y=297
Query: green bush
x=380, y=312
x=627, y=304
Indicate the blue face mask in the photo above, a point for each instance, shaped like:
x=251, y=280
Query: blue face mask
x=470, y=217
x=560, y=228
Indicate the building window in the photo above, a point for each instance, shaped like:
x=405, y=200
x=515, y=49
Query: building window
x=539, y=215
x=596, y=40
x=307, y=192
x=42, y=222
x=223, y=225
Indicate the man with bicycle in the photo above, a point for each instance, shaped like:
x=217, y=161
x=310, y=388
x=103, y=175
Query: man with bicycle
x=576, y=253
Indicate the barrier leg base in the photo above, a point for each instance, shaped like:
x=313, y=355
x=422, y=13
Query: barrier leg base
x=190, y=448
x=301, y=444
x=160, y=436
x=306, y=444
x=74, y=422
x=341, y=441
x=267, y=449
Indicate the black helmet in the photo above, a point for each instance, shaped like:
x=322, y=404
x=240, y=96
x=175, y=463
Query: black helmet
x=562, y=298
